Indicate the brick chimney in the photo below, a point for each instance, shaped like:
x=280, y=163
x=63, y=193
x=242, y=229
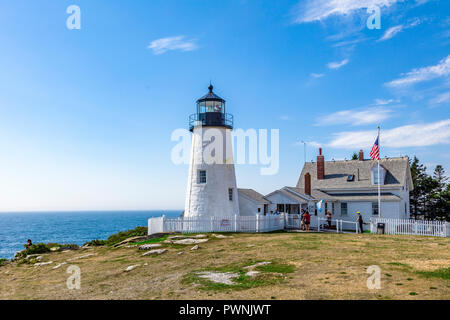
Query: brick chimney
x=320, y=166
x=308, y=183
x=361, y=155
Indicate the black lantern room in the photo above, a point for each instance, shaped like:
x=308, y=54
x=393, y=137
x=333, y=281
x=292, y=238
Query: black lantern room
x=211, y=112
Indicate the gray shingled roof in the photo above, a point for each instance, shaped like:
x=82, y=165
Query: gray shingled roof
x=350, y=196
x=336, y=173
x=256, y=196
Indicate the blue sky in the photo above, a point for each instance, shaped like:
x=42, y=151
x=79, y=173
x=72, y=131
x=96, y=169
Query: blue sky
x=86, y=115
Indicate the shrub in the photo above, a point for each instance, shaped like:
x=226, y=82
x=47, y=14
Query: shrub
x=3, y=262
x=95, y=243
x=118, y=237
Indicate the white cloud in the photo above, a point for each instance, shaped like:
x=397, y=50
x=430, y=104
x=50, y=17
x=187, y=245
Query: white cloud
x=163, y=45
x=393, y=31
x=443, y=97
x=356, y=117
x=382, y=102
x=318, y=10
x=317, y=75
x=415, y=135
x=337, y=65
x=285, y=118
x=442, y=69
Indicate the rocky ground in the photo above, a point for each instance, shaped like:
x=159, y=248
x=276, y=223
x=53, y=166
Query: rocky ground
x=238, y=266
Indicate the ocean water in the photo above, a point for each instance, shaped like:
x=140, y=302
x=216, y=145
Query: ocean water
x=67, y=227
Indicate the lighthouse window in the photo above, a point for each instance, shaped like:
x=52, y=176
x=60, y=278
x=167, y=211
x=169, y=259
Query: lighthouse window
x=201, y=176
x=230, y=194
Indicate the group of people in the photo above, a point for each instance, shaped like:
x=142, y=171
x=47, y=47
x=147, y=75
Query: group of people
x=305, y=217
x=306, y=220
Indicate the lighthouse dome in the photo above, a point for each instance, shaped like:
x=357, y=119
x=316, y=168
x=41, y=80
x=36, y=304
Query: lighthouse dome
x=210, y=96
x=211, y=112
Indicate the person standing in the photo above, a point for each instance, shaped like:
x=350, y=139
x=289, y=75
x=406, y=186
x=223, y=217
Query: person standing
x=359, y=219
x=307, y=220
x=328, y=216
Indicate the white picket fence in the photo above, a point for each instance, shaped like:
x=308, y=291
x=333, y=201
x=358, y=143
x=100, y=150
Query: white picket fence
x=259, y=223
x=235, y=223
x=412, y=227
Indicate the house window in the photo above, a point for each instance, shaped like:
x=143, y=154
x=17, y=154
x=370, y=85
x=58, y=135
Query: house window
x=259, y=209
x=201, y=176
x=230, y=194
x=374, y=208
x=375, y=175
x=344, y=209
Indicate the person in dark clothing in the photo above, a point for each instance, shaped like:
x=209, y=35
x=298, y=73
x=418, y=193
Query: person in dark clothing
x=328, y=216
x=29, y=243
x=359, y=219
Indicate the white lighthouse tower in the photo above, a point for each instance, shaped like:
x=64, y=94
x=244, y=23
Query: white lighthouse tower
x=211, y=189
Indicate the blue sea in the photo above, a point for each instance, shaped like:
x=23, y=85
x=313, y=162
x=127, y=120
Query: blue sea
x=67, y=227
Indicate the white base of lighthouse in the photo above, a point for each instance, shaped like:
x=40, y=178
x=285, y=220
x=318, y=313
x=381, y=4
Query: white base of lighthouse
x=211, y=189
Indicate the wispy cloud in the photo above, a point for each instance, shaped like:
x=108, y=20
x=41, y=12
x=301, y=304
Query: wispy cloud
x=318, y=10
x=441, y=98
x=442, y=69
x=383, y=102
x=356, y=117
x=285, y=118
x=337, y=65
x=393, y=31
x=415, y=135
x=163, y=45
x=317, y=75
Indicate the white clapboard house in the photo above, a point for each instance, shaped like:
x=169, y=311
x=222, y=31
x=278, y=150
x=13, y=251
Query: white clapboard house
x=344, y=187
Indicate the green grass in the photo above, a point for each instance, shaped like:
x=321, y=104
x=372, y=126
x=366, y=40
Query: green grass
x=440, y=273
x=153, y=240
x=275, y=267
x=398, y=264
x=270, y=274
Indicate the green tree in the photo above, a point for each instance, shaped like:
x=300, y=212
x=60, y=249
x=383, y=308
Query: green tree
x=355, y=156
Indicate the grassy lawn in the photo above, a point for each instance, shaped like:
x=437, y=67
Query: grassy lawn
x=302, y=266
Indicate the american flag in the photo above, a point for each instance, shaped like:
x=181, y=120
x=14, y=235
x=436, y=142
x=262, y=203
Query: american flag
x=375, y=153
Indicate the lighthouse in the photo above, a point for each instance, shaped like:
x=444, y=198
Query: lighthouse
x=211, y=189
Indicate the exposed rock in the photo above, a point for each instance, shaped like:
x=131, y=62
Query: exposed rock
x=40, y=264
x=156, y=251
x=200, y=236
x=177, y=237
x=131, y=268
x=150, y=246
x=250, y=246
x=180, y=253
x=252, y=273
x=221, y=236
x=146, y=264
x=81, y=257
x=190, y=241
x=257, y=265
x=218, y=277
x=59, y=265
x=54, y=249
x=132, y=239
x=195, y=247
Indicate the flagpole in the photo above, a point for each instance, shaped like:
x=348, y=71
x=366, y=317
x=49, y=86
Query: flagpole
x=379, y=178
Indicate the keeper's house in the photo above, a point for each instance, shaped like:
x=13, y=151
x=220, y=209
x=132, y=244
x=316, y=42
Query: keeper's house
x=346, y=186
